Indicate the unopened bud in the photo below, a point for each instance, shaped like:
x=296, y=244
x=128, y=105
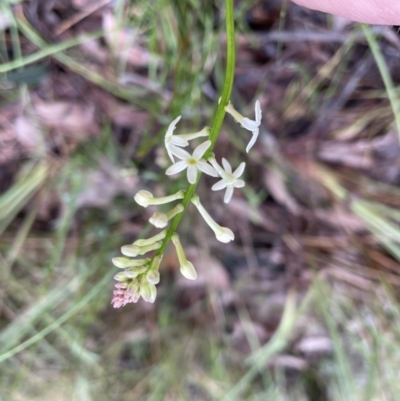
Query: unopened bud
x=187, y=269
x=134, y=250
x=146, y=198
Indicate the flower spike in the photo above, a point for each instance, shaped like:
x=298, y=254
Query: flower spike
x=229, y=180
x=146, y=198
x=187, y=269
x=193, y=163
x=250, y=125
x=223, y=234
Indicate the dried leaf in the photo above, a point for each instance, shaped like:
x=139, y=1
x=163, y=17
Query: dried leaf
x=275, y=182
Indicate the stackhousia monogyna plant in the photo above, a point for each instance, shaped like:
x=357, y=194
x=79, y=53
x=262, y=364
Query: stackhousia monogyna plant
x=139, y=275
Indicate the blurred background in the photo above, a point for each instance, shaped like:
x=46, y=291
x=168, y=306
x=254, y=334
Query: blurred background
x=303, y=305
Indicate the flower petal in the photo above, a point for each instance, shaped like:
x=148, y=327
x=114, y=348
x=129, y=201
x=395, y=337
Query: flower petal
x=219, y=185
x=215, y=164
x=171, y=156
x=252, y=140
x=192, y=174
x=171, y=127
x=239, y=171
x=258, y=112
x=228, y=194
x=250, y=125
x=177, y=141
x=182, y=154
x=201, y=149
x=227, y=166
x=239, y=184
x=206, y=168
x=176, y=168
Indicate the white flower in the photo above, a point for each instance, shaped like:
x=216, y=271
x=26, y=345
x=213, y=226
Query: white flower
x=153, y=275
x=222, y=234
x=172, y=141
x=160, y=220
x=134, y=250
x=158, y=237
x=146, y=198
x=123, y=263
x=187, y=269
x=229, y=180
x=193, y=163
x=148, y=291
x=251, y=125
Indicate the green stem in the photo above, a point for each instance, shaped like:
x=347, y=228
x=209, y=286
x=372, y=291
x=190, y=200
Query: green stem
x=219, y=115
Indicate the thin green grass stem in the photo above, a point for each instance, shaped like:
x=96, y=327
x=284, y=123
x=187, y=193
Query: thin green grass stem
x=49, y=50
x=57, y=323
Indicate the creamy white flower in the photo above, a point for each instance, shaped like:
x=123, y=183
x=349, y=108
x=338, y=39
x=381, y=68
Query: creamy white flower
x=146, y=198
x=160, y=220
x=223, y=234
x=229, y=180
x=187, y=269
x=134, y=250
x=173, y=141
x=251, y=125
x=158, y=237
x=148, y=291
x=193, y=163
x=123, y=263
x=153, y=275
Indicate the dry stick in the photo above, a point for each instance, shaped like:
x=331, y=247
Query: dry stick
x=80, y=16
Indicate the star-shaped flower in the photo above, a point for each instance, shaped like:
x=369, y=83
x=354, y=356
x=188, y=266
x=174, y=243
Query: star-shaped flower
x=251, y=125
x=229, y=180
x=172, y=141
x=193, y=163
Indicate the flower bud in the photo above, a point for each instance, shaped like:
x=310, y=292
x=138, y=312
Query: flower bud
x=134, y=250
x=160, y=220
x=225, y=234
x=222, y=234
x=143, y=242
x=120, y=277
x=153, y=276
x=133, y=288
x=187, y=269
x=133, y=272
x=143, y=197
x=123, y=263
x=146, y=198
x=148, y=291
